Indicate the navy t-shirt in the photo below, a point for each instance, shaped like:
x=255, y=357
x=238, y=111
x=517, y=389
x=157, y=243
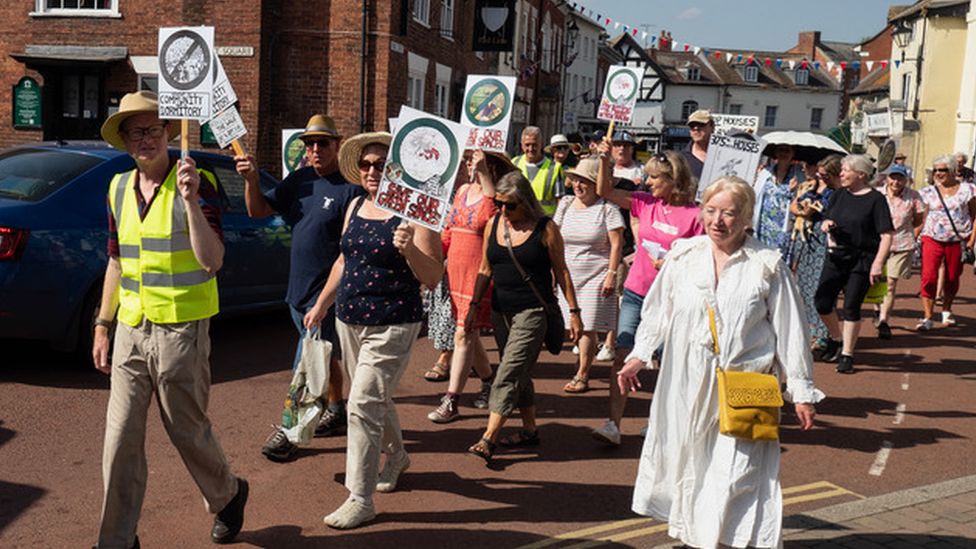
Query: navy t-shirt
x=314, y=206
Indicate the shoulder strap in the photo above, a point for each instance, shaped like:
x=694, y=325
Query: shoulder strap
x=518, y=266
x=712, y=327
x=948, y=214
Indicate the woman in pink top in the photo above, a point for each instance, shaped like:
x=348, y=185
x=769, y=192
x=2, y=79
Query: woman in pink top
x=665, y=214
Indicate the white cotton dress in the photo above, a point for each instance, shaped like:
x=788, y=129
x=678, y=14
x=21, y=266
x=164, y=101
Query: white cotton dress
x=713, y=488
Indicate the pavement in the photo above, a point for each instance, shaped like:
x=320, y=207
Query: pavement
x=936, y=515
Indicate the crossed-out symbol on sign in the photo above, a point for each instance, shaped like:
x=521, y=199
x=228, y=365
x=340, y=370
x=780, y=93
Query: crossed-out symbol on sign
x=186, y=60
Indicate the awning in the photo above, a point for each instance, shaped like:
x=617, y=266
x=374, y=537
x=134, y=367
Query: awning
x=144, y=64
x=36, y=55
x=677, y=131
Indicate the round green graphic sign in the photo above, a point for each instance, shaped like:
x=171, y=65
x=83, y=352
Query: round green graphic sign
x=427, y=154
x=487, y=103
x=621, y=87
x=294, y=152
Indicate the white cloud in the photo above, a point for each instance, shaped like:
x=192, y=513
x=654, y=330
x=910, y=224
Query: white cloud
x=690, y=13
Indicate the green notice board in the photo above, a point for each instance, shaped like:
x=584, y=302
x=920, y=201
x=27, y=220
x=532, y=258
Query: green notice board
x=27, y=104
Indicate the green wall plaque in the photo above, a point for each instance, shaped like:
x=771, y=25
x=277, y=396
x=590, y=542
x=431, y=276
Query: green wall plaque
x=27, y=104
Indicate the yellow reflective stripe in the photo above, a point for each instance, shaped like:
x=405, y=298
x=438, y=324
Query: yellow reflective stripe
x=190, y=278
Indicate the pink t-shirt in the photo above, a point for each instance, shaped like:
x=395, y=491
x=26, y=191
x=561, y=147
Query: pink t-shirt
x=660, y=225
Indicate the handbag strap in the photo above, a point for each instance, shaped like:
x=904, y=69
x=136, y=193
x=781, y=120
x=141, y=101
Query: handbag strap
x=522, y=273
x=712, y=327
x=948, y=214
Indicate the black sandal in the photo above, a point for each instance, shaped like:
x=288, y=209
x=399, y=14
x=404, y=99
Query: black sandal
x=484, y=449
x=521, y=439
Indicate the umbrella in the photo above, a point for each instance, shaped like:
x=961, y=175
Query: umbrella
x=809, y=147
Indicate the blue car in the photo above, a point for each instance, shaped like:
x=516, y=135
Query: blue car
x=54, y=231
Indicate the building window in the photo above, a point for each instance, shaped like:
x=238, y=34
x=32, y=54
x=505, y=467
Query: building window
x=421, y=12
x=752, y=73
x=415, y=91
x=440, y=100
x=687, y=108
x=694, y=74
x=854, y=79
x=735, y=108
x=816, y=118
x=546, y=44
x=148, y=82
x=447, y=18
x=94, y=8
x=769, y=121
x=906, y=87
x=802, y=77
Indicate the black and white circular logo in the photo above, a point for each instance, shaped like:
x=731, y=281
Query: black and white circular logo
x=185, y=60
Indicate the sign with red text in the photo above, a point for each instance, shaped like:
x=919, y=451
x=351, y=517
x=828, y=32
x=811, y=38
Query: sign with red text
x=186, y=73
x=487, y=111
x=423, y=161
x=619, y=94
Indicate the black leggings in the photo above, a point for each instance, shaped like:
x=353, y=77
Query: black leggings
x=850, y=274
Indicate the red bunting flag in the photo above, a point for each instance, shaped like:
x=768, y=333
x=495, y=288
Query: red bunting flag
x=718, y=55
x=687, y=47
x=769, y=62
x=884, y=63
x=843, y=65
x=804, y=65
x=607, y=22
x=635, y=32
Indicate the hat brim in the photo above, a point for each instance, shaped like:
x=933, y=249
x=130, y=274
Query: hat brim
x=352, y=149
x=581, y=175
x=317, y=133
x=111, y=129
x=575, y=147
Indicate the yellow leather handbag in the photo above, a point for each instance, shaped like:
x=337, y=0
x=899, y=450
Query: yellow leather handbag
x=748, y=402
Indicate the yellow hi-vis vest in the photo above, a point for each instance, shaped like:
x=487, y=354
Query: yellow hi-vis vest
x=161, y=278
x=544, y=182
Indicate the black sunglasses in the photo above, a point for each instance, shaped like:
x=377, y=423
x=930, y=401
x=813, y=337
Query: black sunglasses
x=365, y=165
x=503, y=205
x=941, y=170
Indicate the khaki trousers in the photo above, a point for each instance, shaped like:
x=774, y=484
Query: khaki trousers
x=375, y=358
x=171, y=360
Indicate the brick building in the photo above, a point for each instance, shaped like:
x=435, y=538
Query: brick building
x=285, y=60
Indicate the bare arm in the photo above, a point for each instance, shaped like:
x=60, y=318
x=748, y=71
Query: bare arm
x=877, y=266
x=423, y=251
x=482, y=175
x=616, y=254
x=257, y=204
x=206, y=245
x=553, y=241
x=327, y=296
x=604, y=185
x=481, y=282
x=106, y=311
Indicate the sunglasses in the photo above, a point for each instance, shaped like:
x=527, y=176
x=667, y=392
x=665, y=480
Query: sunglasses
x=696, y=127
x=503, y=205
x=366, y=165
x=941, y=170
x=321, y=143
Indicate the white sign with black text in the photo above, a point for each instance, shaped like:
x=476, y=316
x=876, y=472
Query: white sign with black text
x=738, y=156
x=186, y=73
x=726, y=124
x=227, y=126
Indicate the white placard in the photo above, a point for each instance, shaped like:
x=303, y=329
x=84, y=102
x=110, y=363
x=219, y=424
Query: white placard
x=292, y=151
x=726, y=124
x=487, y=111
x=186, y=73
x=421, y=166
x=738, y=156
x=227, y=126
x=620, y=94
x=223, y=92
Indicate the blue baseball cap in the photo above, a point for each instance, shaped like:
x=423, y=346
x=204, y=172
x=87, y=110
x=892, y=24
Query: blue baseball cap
x=597, y=135
x=898, y=169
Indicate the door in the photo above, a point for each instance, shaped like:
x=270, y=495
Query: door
x=73, y=104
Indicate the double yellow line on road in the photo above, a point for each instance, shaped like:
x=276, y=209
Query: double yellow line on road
x=645, y=526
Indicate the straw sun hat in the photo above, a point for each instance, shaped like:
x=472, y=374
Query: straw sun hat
x=132, y=104
x=352, y=150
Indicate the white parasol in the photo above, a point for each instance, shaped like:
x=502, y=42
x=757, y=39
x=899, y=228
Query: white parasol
x=809, y=146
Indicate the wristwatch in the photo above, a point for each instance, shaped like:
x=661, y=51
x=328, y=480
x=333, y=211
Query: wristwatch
x=102, y=322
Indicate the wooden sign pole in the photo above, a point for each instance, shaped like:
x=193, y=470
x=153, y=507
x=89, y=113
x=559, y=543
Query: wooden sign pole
x=238, y=148
x=184, y=139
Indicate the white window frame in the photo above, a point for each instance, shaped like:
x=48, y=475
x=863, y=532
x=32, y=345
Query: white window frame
x=546, y=44
x=751, y=73
x=906, y=87
x=442, y=88
x=771, y=111
x=802, y=77
x=687, y=108
x=694, y=74
x=41, y=10
x=421, y=12
x=447, y=19
x=416, y=80
x=816, y=118
x=735, y=108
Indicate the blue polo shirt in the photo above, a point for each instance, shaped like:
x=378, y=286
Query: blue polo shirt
x=314, y=207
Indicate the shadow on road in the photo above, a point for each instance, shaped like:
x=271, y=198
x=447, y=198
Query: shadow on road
x=15, y=499
x=882, y=540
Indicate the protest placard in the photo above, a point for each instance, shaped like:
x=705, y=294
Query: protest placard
x=223, y=92
x=620, y=94
x=292, y=151
x=227, y=126
x=487, y=111
x=726, y=124
x=186, y=64
x=727, y=155
x=420, y=168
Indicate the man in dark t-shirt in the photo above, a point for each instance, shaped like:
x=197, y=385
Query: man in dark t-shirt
x=313, y=201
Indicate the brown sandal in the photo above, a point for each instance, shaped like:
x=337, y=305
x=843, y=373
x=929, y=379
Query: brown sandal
x=437, y=372
x=484, y=449
x=577, y=385
x=520, y=439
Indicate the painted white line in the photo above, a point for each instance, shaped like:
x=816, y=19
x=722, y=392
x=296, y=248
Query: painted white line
x=899, y=414
x=881, y=460
x=904, y=382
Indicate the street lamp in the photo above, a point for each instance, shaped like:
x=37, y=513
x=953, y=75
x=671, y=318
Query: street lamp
x=902, y=33
x=572, y=33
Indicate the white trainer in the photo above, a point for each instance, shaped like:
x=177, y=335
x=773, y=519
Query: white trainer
x=395, y=466
x=924, y=325
x=350, y=515
x=605, y=354
x=575, y=349
x=608, y=434
x=948, y=319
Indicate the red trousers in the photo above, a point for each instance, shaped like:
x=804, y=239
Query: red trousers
x=934, y=253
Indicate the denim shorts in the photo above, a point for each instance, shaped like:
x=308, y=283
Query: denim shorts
x=630, y=315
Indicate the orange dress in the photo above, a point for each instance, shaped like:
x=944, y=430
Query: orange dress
x=463, y=239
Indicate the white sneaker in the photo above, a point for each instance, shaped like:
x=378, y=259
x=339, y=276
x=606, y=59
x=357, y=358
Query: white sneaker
x=575, y=349
x=395, y=466
x=605, y=354
x=350, y=515
x=948, y=319
x=924, y=325
x=608, y=434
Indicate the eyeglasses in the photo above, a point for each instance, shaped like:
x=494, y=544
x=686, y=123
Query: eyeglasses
x=322, y=143
x=503, y=205
x=940, y=170
x=138, y=134
x=366, y=165
x=696, y=127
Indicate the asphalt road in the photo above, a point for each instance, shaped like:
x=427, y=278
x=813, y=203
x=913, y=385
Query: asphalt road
x=905, y=419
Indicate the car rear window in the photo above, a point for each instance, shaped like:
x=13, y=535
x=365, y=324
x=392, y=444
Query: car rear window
x=32, y=174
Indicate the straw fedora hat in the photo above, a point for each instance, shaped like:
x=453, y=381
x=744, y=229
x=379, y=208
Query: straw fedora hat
x=320, y=125
x=352, y=149
x=498, y=161
x=587, y=169
x=561, y=140
x=132, y=104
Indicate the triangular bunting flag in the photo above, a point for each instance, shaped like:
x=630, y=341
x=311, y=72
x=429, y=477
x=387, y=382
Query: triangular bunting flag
x=607, y=23
x=870, y=65
x=843, y=65
x=616, y=24
x=830, y=66
x=635, y=33
x=856, y=65
x=816, y=65
x=769, y=62
x=728, y=58
x=884, y=63
x=792, y=64
x=804, y=65
x=738, y=58
x=897, y=63
x=645, y=36
x=697, y=50
x=779, y=63
x=687, y=47
x=718, y=55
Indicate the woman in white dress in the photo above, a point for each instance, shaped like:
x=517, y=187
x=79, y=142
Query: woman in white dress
x=715, y=489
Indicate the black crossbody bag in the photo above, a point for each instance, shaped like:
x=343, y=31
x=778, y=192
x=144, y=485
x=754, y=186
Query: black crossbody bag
x=967, y=257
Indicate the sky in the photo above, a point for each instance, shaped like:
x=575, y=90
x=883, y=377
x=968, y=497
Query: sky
x=769, y=25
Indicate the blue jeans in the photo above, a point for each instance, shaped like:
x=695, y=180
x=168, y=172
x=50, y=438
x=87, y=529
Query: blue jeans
x=630, y=315
x=327, y=327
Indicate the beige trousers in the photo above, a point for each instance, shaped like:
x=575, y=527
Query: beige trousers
x=375, y=358
x=171, y=360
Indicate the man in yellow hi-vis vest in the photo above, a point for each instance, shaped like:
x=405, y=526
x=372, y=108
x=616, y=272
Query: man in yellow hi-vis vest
x=539, y=169
x=165, y=248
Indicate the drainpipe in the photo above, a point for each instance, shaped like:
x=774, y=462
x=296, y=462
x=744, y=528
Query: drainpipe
x=362, y=69
x=918, y=63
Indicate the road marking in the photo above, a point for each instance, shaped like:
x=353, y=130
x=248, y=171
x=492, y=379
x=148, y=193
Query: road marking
x=881, y=460
x=899, y=414
x=904, y=382
x=799, y=494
